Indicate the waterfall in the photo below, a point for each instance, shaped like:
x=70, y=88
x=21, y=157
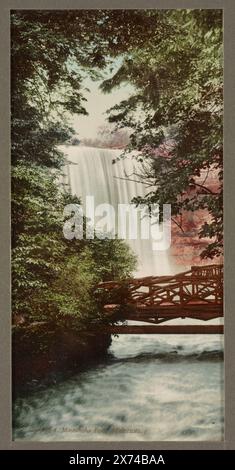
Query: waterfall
x=90, y=172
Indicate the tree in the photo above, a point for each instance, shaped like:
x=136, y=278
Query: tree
x=115, y=262
x=175, y=115
x=53, y=279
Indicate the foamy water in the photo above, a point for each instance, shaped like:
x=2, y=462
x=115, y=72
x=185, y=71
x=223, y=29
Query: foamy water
x=150, y=388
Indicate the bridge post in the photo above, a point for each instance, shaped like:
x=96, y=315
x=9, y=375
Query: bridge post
x=151, y=295
x=193, y=287
x=181, y=291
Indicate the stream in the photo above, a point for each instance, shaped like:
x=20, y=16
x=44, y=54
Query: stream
x=150, y=388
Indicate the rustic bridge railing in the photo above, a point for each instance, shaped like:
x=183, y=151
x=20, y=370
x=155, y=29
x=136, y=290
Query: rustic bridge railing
x=197, y=293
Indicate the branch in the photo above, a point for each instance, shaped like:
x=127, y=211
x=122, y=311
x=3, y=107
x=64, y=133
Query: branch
x=178, y=225
x=205, y=188
x=135, y=181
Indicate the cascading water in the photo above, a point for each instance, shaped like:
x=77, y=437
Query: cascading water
x=150, y=388
x=90, y=172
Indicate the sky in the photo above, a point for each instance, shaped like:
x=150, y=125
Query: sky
x=97, y=104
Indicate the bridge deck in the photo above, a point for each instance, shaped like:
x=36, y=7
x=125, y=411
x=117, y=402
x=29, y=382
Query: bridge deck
x=195, y=294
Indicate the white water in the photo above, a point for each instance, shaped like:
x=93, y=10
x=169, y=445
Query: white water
x=151, y=387
x=91, y=173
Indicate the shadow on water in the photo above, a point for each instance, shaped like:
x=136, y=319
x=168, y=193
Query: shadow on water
x=171, y=356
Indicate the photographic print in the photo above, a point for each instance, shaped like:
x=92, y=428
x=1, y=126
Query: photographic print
x=117, y=225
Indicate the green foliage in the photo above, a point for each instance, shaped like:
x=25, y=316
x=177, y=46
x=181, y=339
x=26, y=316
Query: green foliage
x=53, y=279
x=68, y=299
x=115, y=262
x=178, y=103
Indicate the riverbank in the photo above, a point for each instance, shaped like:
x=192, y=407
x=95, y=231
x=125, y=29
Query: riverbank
x=41, y=352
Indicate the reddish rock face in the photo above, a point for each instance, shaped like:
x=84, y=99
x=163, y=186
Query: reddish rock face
x=186, y=244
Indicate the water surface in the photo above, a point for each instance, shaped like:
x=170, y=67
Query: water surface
x=150, y=388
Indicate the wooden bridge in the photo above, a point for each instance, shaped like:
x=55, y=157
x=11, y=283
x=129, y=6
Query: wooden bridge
x=195, y=294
